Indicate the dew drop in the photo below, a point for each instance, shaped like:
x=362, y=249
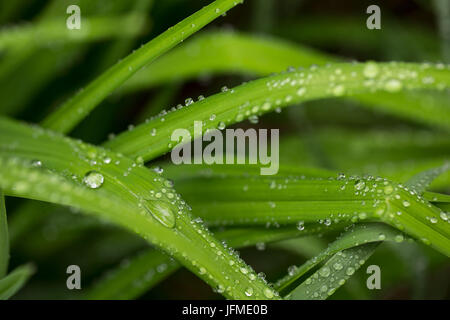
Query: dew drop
x=360, y=184
x=36, y=163
x=268, y=293
x=300, y=225
x=301, y=91
x=161, y=211
x=338, y=90
x=350, y=271
x=221, y=125
x=337, y=266
x=398, y=238
x=388, y=189
x=393, y=85
x=371, y=70
x=93, y=179
x=324, y=272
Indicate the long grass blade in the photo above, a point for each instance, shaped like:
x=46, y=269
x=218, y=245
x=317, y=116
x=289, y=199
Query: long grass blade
x=267, y=94
x=4, y=238
x=121, y=191
x=73, y=111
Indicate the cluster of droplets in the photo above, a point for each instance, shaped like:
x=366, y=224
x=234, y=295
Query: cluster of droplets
x=333, y=274
x=295, y=85
x=232, y=258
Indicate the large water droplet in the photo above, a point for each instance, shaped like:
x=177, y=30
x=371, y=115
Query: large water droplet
x=360, y=184
x=393, y=85
x=249, y=292
x=268, y=293
x=93, y=179
x=324, y=272
x=161, y=211
x=371, y=70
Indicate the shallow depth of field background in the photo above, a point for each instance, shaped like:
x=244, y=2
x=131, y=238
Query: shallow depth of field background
x=334, y=133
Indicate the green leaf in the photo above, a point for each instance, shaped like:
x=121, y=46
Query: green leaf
x=349, y=253
x=251, y=200
x=14, y=281
x=133, y=278
x=145, y=270
x=356, y=236
x=50, y=31
x=231, y=52
x=324, y=282
x=267, y=94
x=217, y=52
x=419, y=182
x=4, y=238
x=73, y=111
x=49, y=167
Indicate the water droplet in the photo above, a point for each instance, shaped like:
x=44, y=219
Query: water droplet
x=339, y=90
x=221, y=125
x=388, y=189
x=393, y=85
x=36, y=163
x=249, y=292
x=337, y=266
x=360, y=184
x=324, y=272
x=260, y=246
x=371, y=70
x=292, y=270
x=350, y=271
x=93, y=179
x=398, y=238
x=161, y=211
x=268, y=293
x=301, y=91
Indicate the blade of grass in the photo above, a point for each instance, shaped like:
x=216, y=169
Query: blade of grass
x=321, y=284
x=131, y=196
x=144, y=271
x=4, y=238
x=133, y=278
x=69, y=114
x=436, y=197
x=223, y=52
x=14, y=281
x=290, y=200
x=263, y=95
x=355, y=236
x=226, y=52
x=345, y=262
x=50, y=32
